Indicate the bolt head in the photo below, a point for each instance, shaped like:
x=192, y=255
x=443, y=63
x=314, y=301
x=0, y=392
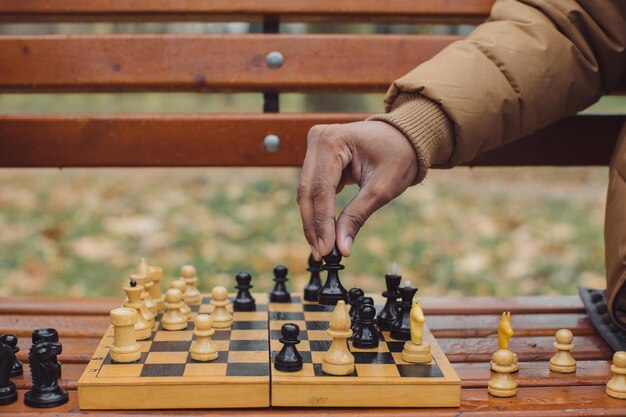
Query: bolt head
x=274, y=60
x=271, y=143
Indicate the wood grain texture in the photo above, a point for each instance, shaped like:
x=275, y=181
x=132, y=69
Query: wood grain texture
x=433, y=305
x=447, y=11
x=144, y=140
x=176, y=62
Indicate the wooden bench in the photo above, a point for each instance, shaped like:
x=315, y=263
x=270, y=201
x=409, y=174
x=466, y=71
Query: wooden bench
x=310, y=63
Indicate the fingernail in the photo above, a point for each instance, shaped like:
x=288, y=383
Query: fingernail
x=347, y=241
x=320, y=244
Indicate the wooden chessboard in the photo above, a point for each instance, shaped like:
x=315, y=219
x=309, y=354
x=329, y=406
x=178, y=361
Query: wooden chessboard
x=381, y=378
x=167, y=378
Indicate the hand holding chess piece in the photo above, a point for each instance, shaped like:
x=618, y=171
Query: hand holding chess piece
x=416, y=350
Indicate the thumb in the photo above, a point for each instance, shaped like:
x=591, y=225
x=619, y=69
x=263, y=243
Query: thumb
x=354, y=215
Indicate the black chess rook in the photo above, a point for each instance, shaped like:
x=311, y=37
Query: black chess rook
x=280, y=294
x=315, y=282
x=332, y=291
x=45, y=370
x=244, y=300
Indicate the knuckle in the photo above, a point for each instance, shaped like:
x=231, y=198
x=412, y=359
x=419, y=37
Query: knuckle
x=321, y=186
x=357, y=220
x=301, y=192
x=314, y=133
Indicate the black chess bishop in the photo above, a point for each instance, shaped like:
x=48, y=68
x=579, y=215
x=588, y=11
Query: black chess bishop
x=45, y=370
x=280, y=294
x=332, y=291
x=289, y=359
x=244, y=300
x=315, y=282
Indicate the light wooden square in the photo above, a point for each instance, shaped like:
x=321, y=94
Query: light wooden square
x=257, y=334
x=252, y=356
x=286, y=307
x=120, y=370
x=144, y=345
x=251, y=316
x=316, y=357
x=377, y=370
x=167, y=357
x=205, y=369
x=222, y=345
x=173, y=336
x=317, y=315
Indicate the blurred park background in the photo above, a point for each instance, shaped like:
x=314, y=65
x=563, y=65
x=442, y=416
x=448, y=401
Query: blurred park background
x=464, y=231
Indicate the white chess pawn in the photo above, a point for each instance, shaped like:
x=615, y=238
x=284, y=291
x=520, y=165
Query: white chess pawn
x=222, y=319
x=562, y=361
x=616, y=387
x=338, y=360
x=173, y=318
x=180, y=285
x=203, y=349
x=125, y=348
x=191, y=294
x=143, y=328
x=502, y=383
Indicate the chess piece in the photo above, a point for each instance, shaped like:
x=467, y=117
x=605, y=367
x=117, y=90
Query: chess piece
x=280, y=294
x=505, y=332
x=616, y=387
x=145, y=296
x=563, y=361
x=11, y=341
x=222, y=319
x=203, y=349
x=502, y=383
x=191, y=296
x=416, y=350
x=338, y=360
x=389, y=313
x=45, y=370
x=143, y=328
x=359, y=303
x=332, y=291
x=353, y=297
x=143, y=270
x=288, y=359
x=125, y=348
x=181, y=286
x=401, y=328
x=366, y=336
x=174, y=318
x=156, y=276
x=315, y=282
x=244, y=301
x=8, y=391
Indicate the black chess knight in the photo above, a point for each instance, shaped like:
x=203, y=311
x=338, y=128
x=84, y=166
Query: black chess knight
x=332, y=291
x=45, y=371
x=8, y=391
x=315, y=283
x=289, y=359
x=243, y=301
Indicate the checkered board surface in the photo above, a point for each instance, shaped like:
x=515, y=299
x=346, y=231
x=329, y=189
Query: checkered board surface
x=167, y=377
x=381, y=378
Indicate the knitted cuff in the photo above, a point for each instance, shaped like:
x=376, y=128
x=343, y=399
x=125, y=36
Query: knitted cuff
x=426, y=126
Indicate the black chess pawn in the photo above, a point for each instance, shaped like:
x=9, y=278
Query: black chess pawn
x=353, y=297
x=280, y=294
x=315, y=283
x=288, y=359
x=366, y=336
x=389, y=313
x=401, y=328
x=244, y=301
x=45, y=371
x=332, y=291
x=8, y=391
x=361, y=301
x=11, y=341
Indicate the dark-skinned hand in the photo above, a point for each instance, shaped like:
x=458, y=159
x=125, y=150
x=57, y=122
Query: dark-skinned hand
x=372, y=154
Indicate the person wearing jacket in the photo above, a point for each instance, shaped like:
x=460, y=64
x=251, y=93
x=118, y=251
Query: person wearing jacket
x=531, y=63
